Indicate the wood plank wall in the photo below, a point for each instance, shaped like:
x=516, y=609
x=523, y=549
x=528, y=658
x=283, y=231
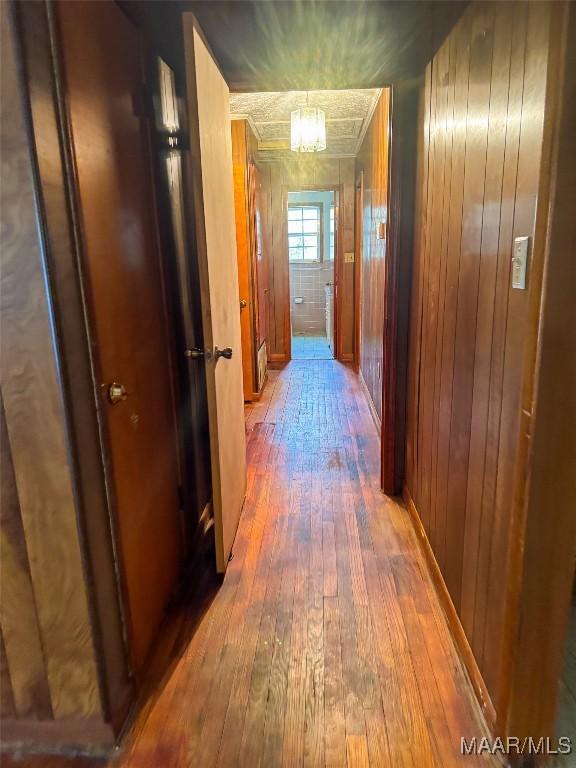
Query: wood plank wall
x=48, y=655
x=480, y=148
x=372, y=163
x=278, y=177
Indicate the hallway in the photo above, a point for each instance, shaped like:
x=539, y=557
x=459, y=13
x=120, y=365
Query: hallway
x=325, y=644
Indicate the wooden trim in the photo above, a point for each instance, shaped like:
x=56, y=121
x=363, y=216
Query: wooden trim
x=402, y=140
x=56, y=187
x=278, y=357
x=286, y=266
x=458, y=634
x=338, y=265
x=371, y=407
x=543, y=541
x=338, y=271
x=389, y=354
x=34, y=375
x=358, y=214
x=57, y=736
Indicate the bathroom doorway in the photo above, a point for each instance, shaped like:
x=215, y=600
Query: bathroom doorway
x=312, y=243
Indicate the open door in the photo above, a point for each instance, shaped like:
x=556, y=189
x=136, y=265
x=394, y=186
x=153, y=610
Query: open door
x=211, y=180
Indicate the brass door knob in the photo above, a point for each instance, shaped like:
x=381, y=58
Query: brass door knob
x=243, y=303
x=116, y=392
x=226, y=352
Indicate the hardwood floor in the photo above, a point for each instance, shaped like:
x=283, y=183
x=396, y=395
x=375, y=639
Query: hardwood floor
x=325, y=644
x=566, y=723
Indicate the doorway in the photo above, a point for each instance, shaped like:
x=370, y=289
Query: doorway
x=311, y=227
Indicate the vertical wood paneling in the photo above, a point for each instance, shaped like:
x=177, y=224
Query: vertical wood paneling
x=21, y=640
x=484, y=319
x=7, y=707
x=480, y=145
x=467, y=297
x=336, y=173
x=36, y=426
x=372, y=161
x=531, y=126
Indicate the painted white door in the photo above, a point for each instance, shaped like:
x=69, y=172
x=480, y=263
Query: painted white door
x=212, y=180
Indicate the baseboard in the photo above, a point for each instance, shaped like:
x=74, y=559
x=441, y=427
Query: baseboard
x=371, y=406
x=85, y=736
x=255, y=396
x=456, y=628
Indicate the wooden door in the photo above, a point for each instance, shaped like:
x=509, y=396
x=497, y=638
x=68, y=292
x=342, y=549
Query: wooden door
x=243, y=250
x=102, y=67
x=212, y=182
x=260, y=264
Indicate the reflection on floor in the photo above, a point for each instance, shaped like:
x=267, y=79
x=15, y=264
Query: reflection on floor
x=310, y=348
x=566, y=725
x=325, y=644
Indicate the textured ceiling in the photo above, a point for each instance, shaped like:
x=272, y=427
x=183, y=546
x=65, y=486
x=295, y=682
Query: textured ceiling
x=348, y=113
x=285, y=45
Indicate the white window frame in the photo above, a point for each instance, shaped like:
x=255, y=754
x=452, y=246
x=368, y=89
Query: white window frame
x=316, y=235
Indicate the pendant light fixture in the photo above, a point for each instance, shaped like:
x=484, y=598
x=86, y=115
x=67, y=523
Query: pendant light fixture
x=307, y=129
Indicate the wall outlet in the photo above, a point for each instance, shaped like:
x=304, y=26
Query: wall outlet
x=349, y=257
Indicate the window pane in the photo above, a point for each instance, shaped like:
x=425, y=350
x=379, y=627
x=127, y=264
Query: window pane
x=295, y=226
x=311, y=240
x=311, y=213
x=295, y=254
x=294, y=214
x=310, y=226
x=295, y=241
x=311, y=254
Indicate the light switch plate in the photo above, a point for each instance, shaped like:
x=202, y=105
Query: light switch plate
x=381, y=235
x=520, y=262
x=349, y=257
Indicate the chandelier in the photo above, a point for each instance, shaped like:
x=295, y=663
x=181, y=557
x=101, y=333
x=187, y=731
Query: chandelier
x=307, y=130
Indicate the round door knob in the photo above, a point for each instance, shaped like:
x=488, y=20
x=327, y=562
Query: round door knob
x=116, y=392
x=226, y=352
x=243, y=303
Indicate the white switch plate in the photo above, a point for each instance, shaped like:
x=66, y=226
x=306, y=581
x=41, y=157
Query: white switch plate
x=520, y=262
x=349, y=257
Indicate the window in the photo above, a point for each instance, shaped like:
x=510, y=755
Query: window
x=304, y=233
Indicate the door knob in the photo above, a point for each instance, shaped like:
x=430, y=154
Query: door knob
x=243, y=303
x=194, y=353
x=116, y=392
x=226, y=352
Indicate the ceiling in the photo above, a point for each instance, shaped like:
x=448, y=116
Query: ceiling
x=348, y=114
x=284, y=45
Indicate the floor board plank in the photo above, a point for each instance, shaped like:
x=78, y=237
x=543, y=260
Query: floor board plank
x=325, y=644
